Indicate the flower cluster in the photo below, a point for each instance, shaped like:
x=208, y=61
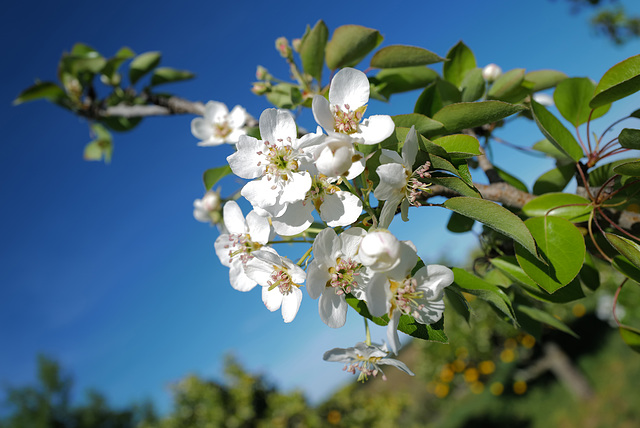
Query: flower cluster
x=311, y=186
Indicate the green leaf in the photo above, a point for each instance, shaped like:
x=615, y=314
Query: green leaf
x=626, y=247
x=473, y=85
x=515, y=182
x=589, y=274
x=619, y=81
x=544, y=79
x=469, y=115
x=562, y=248
x=631, y=169
x=554, y=180
x=349, y=44
x=142, y=64
x=572, y=96
x=168, y=75
x=508, y=86
x=625, y=267
x=631, y=337
x=484, y=290
x=423, y=124
x=285, y=96
x=630, y=138
x=122, y=124
x=457, y=301
x=436, y=95
x=555, y=132
x=312, y=49
x=459, y=223
x=100, y=148
x=213, y=175
x=546, y=147
x=395, y=80
x=566, y=205
x=47, y=90
x=83, y=59
x=459, y=145
x=453, y=183
x=461, y=61
x=494, y=216
x=599, y=175
x=546, y=318
x=111, y=67
x=403, y=56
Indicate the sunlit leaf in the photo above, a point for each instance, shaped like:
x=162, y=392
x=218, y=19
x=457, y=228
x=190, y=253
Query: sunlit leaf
x=143, y=64
x=169, y=75
x=572, y=97
x=566, y=205
x=621, y=80
x=213, y=175
x=555, y=132
x=349, y=45
x=469, y=115
x=403, y=56
x=626, y=247
x=460, y=61
x=312, y=48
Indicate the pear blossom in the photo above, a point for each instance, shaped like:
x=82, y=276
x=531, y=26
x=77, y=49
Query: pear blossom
x=337, y=157
x=278, y=163
x=280, y=279
x=334, y=272
x=395, y=292
x=219, y=125
x=344, y=111
x=399, y=183
x=207, y=209
x=236, y=247
x=365, y=359
x=491, y=72
x=380, y=250
x=544, y=99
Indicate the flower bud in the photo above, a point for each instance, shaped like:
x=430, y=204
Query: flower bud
x=282, y=45
x=491, y=72
x=335, y=158
x=544, y=99
x=208, y=208
x=296, y=43
x=260, y=88
x=380, y=250
x=262, y=73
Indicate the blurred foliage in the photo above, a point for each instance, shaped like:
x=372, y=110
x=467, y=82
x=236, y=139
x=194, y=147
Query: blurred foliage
x=610, y=19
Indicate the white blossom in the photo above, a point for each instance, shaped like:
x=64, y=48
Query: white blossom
x=280, y=279
x=365, y=359
x=207, y=209
x=380, y=250
x=491, y=72
x=218, y=125
x=344, y=112
x=236, y=247
x=337, y=157
x=334, y=272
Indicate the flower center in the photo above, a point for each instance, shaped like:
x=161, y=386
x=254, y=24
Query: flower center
x=343, y=275
x=319, y=188
x=405, y=297
x=366, y=366
x=241, y=245
x=280, y=278
x=222, y=129
x=415, y=187
x=281, y=160
x=346, y=121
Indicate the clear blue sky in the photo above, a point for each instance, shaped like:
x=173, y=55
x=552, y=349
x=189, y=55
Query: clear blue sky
x=103, y=266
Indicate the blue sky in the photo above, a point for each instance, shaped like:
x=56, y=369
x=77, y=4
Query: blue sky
x=103, y=266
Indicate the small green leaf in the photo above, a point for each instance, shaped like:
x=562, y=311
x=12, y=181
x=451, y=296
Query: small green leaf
x=142, y=64
x=395, y=80
x=436, y=95
x=312, y=49
x=424, y=125
x=555, y=132
x=494, y=216
x=566, y=205
x=619, y=81
x=454, y=183
x=507, y=86
x=403, y=56
x=572, y=96
x=285, y=96
x=515, y=182
x=349, y=44
x=111, y=67
x=625, y=267
x=626, y=247
x=459, y=223
x=546, y=147
x=459, y=145
x=168, y=75
x=599, y=175
x=469, y=115
x=100, y=148
x=546, y=318
x=554, y=180
x=461, y=61
x=631, y=337
x=562, y=248
x=544, y=79
x=458, y=302
x=630, y=138
x=631, y=169
x=472, y=86
x=484, y=290
x=47, y=90
x=213, y=175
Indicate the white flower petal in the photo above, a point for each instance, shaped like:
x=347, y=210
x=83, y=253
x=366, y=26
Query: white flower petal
x=294, y=220
x=376, y=295
x=332, y=309
x=376, y=129
x=351, y=239
x=392, y=332
x=410, y=148
x=390, y=156
x=260, y=193
x=291, y=304
x=296, y=188
x=397, y=364
x=259, y=228
x=389, y=209
x=340, y=209
x=351, y=87
x=408, y=259
x=326, y=247
x=246, y=162
x=317, y=277
x=233, y=218
x=222, y=247
x=215, y=112
x=322, y=112
x=239, y=279
x=237, y=117
x=276, y=126
x=272, y=299
x=201, y=129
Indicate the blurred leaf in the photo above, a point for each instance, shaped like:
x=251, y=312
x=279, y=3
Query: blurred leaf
x=494, y=216
x=589, y=274
x=626, y=247
x=599, y=175
x=544, y=79
x=625, y=267
x=458, y=302
x=631, y=169
x=555, y=132
x=631, y=337
x=111, y=67
x=213, y=175
x=469, y=115
x=312, y=49
x=507, y=86
x=100, y=148
x=143, y=64
x=630, y=138
x=572, y=96
x=546, y=147
x=566, y=205
x=47, y=90
x=349, y=45
x=403, y=56
x=472, y=86
x=546, y=318
x=285, y=96
x=621, y=80
x=168, y=75
x=461, y=61
x=554, y=180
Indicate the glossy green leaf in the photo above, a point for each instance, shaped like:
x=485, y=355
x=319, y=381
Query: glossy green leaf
x=544, y=79
x=460, y=61
x=41, y=90
x=459, y=145
x=349, y=45
x=312, y=48
x=436, y=95
x=626, y=247
x=143, y=64
x=621, y=80
x=456, y=300
x=484, y=290
x=554, y=180
x=555, y=132
x=546, y=318
x=469, y=115
x=395, y=80
x=629, y=138
x=424, y=125
x=599, y=175
x=631, y=169
x=454, y=183
x=213, y=175
x=515, y=182
x=169, y=75
x=566, y=205
x=562, y=248
x=572, y=97
x=507, y=85
x=494, y=216
x=625, y=267
x=472, y=86
x=403, y=56
x=459, y=223
x=631, y=337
